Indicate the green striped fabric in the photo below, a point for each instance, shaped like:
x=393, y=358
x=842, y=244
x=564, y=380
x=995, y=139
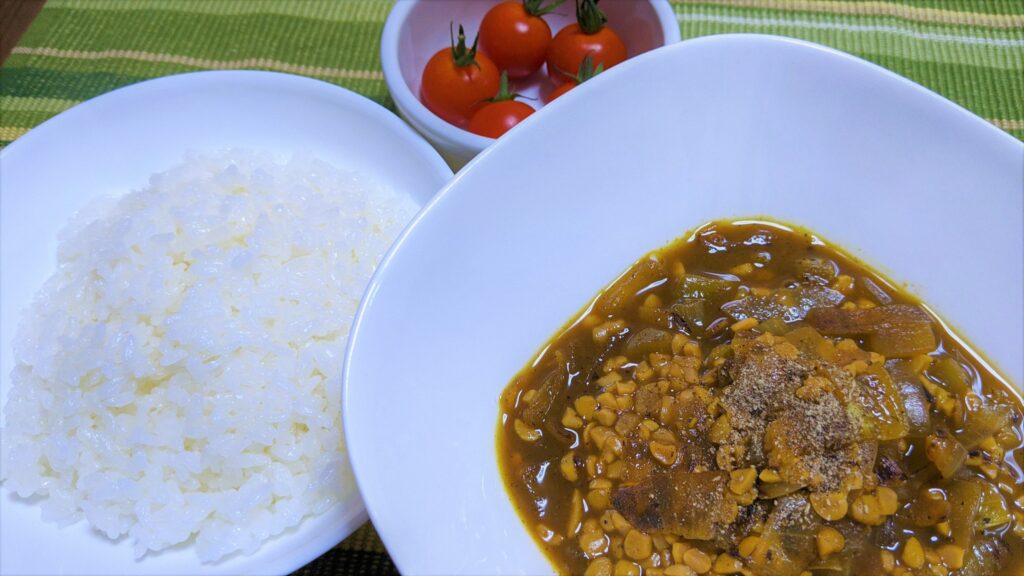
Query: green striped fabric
x=971, y=51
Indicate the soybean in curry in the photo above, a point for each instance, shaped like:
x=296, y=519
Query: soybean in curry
x=752, y=401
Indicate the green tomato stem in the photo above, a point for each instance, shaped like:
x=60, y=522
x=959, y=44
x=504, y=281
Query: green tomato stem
x=462, y=56
x=537, y=7
x=590, y=18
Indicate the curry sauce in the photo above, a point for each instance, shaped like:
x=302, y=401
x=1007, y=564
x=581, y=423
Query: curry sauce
x=750, y=400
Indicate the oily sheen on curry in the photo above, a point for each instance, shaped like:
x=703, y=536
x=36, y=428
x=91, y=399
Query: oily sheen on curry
x=750, y=400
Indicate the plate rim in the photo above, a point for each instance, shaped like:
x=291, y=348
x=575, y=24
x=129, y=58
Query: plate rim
x=403, y=560
x=355, y=514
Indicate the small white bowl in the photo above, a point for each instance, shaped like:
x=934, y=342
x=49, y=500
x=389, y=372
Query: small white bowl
x=736, y=126
x=112, y=144
x=416, y=29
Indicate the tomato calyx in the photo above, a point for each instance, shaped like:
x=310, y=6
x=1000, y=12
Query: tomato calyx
x=461, y=55
x=537, y=7
x=590, y=18
x=586, y=71
x=503, y=93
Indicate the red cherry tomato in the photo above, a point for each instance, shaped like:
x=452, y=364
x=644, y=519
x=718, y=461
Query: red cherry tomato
x=585, y=72
x=588, y=36
x=496, y=118
x=559, y=90
x=457, y=81
x=516, y=37
x=500, y=113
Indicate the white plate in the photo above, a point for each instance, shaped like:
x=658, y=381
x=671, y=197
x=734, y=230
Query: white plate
x=526, y=234
x=112, y=144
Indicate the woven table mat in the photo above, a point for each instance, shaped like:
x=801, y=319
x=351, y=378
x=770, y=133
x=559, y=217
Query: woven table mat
x=970, y=51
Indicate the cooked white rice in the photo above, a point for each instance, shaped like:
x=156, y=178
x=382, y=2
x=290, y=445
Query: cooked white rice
x=179, y=376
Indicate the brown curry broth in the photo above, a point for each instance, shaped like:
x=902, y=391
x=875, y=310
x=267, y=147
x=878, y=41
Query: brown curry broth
x=541, y=494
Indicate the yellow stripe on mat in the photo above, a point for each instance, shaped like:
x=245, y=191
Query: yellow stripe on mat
x=264, y=63
x=11, y=133
x=1007, y=124
x=916, y=13
x=34, y=104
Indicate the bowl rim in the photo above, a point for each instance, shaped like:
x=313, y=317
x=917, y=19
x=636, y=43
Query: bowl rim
x=431, y=124
x=363, y=103
x=353, y=513
x=386, y=530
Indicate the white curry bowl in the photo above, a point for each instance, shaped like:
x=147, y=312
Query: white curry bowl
x=731, y=126
x=114, y=143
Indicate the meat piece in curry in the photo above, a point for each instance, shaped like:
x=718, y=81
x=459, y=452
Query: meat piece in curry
x=752, y=401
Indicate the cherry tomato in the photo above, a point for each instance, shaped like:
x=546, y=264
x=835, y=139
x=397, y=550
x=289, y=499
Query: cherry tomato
x=500, y=114
x=496, y=118
x=559, y=90
x=516, y=37
x=588, y=35
x=585, y=72
x=457, y=81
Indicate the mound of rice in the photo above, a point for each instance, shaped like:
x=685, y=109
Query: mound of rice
x=179, y=376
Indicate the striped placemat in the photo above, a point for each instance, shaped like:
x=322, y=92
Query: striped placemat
x=971, y=51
